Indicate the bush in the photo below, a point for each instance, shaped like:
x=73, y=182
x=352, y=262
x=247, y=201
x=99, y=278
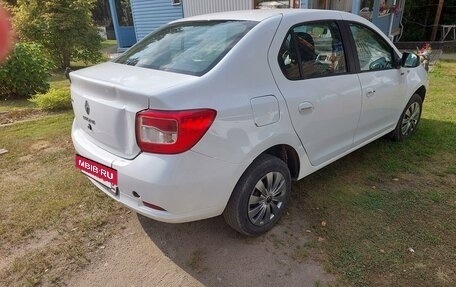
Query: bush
x=54, y=100
x=64, y=27
x=25, y=72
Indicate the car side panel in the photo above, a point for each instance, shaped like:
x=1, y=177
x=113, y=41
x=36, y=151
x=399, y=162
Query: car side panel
x=382, y=97
x=326, y=129
x=229, y=88
x=415, y=78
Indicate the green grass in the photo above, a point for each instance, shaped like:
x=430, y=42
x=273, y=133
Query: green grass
x=388, y=197
x=44, y=198
x=108, y=44
x=378, y=203
x=15, y=104
x=52, y=218
x=59, y=80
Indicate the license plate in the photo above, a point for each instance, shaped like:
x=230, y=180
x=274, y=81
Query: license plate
x=101, y=173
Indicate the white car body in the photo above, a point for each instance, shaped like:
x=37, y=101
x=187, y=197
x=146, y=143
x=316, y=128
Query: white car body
x=257, y=108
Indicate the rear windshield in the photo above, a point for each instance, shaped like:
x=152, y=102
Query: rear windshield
x=187, y=47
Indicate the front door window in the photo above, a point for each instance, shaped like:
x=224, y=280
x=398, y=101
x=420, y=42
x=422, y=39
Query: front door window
x=373, y=52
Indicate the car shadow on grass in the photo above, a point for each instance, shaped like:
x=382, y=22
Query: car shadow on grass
x=215, y=255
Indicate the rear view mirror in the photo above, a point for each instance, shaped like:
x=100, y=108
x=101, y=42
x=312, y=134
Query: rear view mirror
x=410, y=60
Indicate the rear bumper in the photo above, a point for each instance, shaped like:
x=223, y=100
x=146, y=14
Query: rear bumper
x=189, y=186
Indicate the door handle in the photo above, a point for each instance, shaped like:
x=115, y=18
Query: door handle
x=306, y=106
x=370, y=92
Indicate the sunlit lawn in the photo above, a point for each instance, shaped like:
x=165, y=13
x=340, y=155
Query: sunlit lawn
x=390, y=207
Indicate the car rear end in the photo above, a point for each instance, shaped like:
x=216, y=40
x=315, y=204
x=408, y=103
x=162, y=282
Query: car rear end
x=136, y=142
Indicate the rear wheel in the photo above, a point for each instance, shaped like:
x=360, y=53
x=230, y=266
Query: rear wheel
x=409, y=119
x=260, y=197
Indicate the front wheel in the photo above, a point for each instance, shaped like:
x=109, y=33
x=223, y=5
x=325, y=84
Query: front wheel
x=260, y=197
x=408, y=122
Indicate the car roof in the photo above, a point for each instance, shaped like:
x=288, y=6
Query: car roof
x=260, y=14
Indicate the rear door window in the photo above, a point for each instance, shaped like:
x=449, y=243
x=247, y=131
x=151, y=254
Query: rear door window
x=312, y=50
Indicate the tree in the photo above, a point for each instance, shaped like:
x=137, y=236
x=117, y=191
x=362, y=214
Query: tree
x=101, y=13
x=63, y=27
x=419, y=16
x=10, y=2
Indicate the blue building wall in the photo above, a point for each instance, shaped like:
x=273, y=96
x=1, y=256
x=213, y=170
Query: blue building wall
x=125, y=35
x=384, y=21
x=149, y=15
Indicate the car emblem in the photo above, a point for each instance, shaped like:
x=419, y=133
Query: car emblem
x=87, y=107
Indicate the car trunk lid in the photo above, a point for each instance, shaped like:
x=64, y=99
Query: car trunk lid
x=106, y=98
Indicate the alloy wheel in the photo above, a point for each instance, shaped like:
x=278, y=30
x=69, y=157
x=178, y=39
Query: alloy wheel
x=267, y=198
x=411, y=118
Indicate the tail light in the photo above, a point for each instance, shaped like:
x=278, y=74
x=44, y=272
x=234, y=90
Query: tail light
x=171, y=132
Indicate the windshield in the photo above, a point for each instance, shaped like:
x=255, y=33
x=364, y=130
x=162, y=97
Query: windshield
x=186, y=47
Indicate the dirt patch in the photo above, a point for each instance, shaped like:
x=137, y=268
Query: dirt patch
x=40, y=145
x=40, y=241
x=204, y=253
x=43, y=146
x=25, y=158
x=13, y=116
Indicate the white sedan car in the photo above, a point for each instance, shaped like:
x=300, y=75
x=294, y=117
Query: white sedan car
x=217, y=114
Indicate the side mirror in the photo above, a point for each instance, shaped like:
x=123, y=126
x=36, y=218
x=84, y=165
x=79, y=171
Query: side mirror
x=410, y=60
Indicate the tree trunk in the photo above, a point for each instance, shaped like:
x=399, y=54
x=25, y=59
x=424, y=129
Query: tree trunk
x=65, y=58
x=437, y=21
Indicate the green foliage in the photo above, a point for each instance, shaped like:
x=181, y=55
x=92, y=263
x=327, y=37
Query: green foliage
x=25, y=72
x=419, y=16
x=54, y=100
x=10, y=2
x=64, y=28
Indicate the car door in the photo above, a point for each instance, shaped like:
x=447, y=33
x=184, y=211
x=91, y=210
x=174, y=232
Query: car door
x=381, y=82
x=322, y=95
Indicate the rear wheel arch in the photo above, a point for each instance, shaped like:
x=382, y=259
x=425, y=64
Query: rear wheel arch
x=280, y=160
x=260, y=196
x=288, y=155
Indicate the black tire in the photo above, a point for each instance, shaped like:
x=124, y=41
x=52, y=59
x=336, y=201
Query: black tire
x=409, y=120
x=270, y=174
